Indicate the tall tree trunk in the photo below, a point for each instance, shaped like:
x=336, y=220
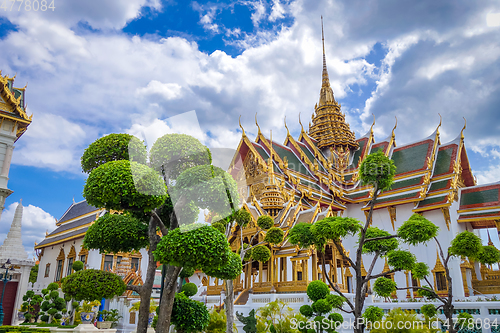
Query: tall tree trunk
x=146, y=289
x=229, y=304
x=167, y=299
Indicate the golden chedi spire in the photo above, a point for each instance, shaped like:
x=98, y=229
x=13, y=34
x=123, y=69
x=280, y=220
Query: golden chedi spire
x=329, y=127
x=272, y=200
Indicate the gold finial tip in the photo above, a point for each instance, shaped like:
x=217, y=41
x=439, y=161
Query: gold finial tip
x=463, y=129
x=300, y=122
x=256, y=123
x=287, y=131
x=242, y=129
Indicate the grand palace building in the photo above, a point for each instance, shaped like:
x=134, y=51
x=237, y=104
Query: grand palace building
x=306, y=179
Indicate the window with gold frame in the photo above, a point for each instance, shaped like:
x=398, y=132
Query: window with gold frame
x=47, y=270
x=60, y=265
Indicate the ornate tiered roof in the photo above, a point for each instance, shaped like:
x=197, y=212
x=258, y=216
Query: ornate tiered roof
x=12, y=104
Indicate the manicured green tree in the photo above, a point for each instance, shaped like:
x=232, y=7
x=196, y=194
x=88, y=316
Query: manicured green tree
x=249, y=322
x=93, y=285
x=323, y=303
x=189, y=316
x=53, y=305
x=120, y=179
x=189, y=289
x=31, y=306
x=258, y=252
x=378, y=171
x=465, y=245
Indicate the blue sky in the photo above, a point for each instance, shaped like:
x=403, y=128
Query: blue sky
x=98, y=67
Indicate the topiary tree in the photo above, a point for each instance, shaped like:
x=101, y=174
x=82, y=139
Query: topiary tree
x=189, y=315
x=323, y=303
x=121, y=179
x=92, y=285
x=31, y=306
x=248, y=251
x=53, y=305
x=378, y=171
x=78, y=266
x=465, y=245
x=189, y=289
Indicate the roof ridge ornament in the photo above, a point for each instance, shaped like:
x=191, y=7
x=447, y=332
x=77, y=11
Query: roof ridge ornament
x=463, y=129
x=256, y=123
x=242, y=129
x=373, y=124
x=300, y=122
x=394, y=128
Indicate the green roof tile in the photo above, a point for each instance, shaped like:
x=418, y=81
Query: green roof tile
x=293, y=162
x=443, y=161
x=479, y=197
x=431, y=201
x=395, y=198
x=406, y=183
x=441, y=185
x=356, y=195
x=357, y=153
x=410, y=159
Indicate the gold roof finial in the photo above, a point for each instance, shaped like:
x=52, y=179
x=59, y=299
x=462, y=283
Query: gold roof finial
x=300, y=122
x=287, y=131
x=242, y=129
x=256, y=123
x=395, y=126
x=440, y=122
x=373, y=124
x=463, y=129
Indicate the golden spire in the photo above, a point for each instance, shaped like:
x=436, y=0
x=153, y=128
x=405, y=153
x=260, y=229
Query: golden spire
x=326, y=93
x=329, y=127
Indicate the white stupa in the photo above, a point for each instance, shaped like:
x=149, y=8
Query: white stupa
x=12, y=247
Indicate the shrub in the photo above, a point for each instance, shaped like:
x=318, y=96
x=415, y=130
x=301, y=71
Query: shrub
x=189, y=315
x=377, y=168
x=186, y=272
x=122, y=185
x=113, y=147
x=317, y=290
x=203, y=248
x=417, y=230
x=382, y=246
x=384, y=287
x=189, y=289
x=335, y=300
x=321, y=306
x=274, y=235
x=115, y=233
x=230, y=271
x=373, y=314
x=265, y=222
x=92, y=284
x=306, y=310
x=466, y=244
x=261, y=253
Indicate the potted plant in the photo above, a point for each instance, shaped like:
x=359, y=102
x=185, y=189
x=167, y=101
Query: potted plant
x=88, y=313
x=110, y=319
